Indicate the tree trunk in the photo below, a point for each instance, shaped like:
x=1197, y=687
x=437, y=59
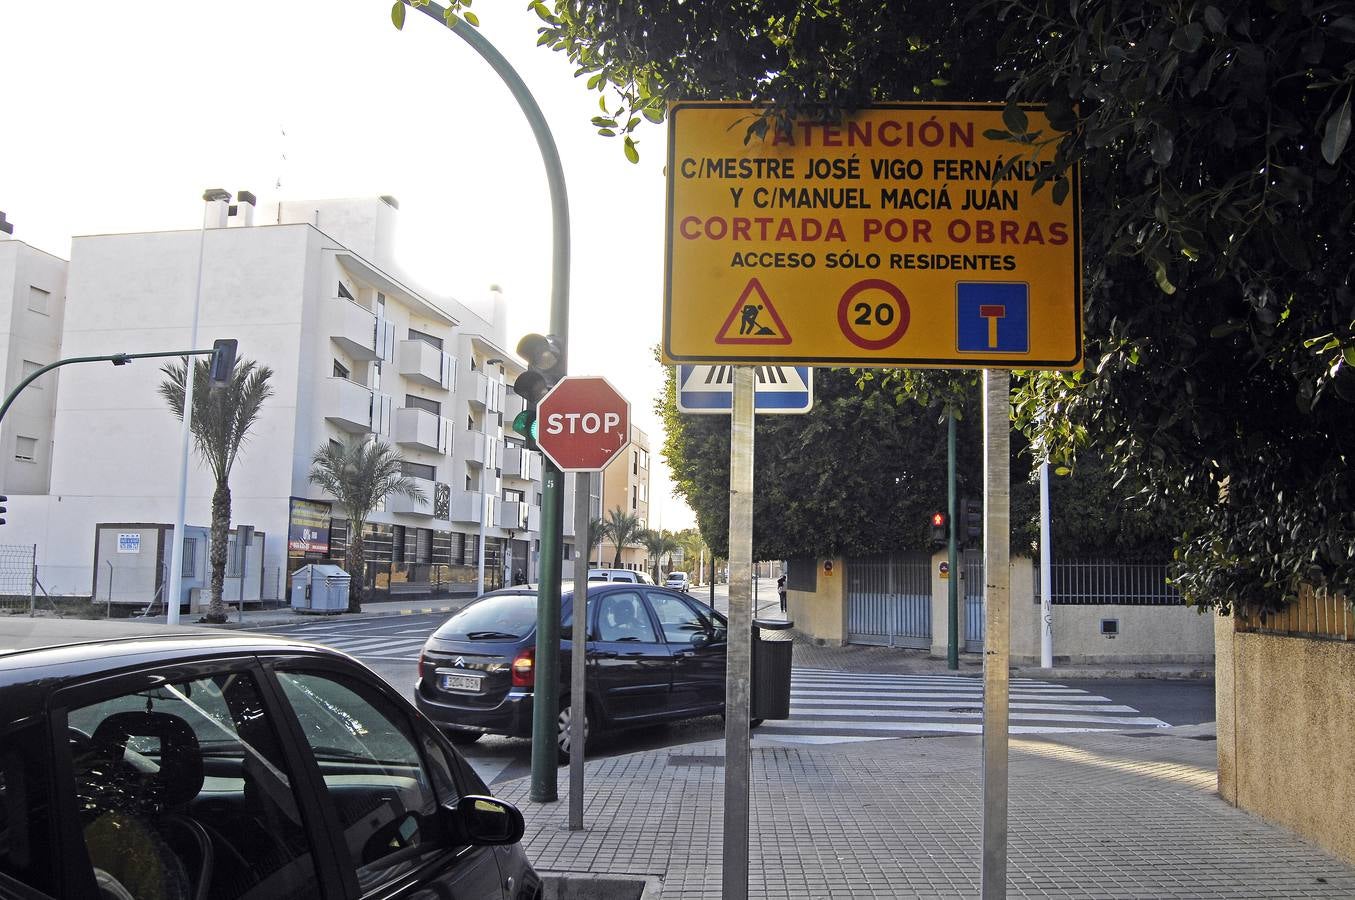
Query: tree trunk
x=221, y=530
x=617, y=563
x=355, y=560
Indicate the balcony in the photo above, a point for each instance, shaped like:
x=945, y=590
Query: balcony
x=468, y=506
x=422, y=363
x=512, y=515
x=478, y=444
x=399, y=503
x=354, y=408
x=359, y=332
x=520, y=463
x=487, y=392
x=423, y=430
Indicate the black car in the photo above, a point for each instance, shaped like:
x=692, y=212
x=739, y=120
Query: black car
x=653, y=655
x=178, y=764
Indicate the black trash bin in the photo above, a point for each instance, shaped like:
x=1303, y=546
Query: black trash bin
x=771, y=669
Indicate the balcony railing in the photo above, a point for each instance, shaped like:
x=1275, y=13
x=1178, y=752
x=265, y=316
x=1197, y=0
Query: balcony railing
x=421, y=362
x=481, y=449
x=422, y=429
x=512, y=515
x=521, y=463
x=355, y=408
x=487, y=392
x=399, y=503
x=361, y=334
x=468, y=506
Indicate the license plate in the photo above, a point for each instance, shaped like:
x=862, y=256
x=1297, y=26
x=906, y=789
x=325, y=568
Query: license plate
x=470, y=683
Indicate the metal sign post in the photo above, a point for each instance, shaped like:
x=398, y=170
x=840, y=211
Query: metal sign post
x=578, y=719
x=740, y=639
x=996, y=600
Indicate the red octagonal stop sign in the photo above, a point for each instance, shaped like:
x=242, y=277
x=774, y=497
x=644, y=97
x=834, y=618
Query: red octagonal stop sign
x=582, y=423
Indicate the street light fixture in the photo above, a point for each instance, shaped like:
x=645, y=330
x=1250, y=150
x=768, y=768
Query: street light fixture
x=173, y=598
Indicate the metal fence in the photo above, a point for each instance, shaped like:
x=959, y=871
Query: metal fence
x=17, y=578
x=1103, y=582
x=972, y=564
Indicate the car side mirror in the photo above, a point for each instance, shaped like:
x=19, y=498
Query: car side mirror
x=701, y=639
x=480, y=821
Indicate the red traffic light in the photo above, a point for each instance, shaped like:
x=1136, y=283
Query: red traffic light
x=938, y=520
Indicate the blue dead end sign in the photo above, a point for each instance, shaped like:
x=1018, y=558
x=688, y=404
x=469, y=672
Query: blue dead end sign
x=778, y=389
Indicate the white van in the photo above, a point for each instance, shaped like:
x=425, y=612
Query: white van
x=619, y=575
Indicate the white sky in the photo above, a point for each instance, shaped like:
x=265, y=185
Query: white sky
x=118, y=115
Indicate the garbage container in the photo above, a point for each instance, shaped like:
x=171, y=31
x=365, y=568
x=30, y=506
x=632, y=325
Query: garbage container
x=320, y=588
x=772, y=645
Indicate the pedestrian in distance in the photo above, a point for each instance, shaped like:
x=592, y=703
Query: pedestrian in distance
x=781, y=590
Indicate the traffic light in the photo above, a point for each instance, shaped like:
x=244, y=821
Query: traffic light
x=545, y=366
x=3, y=508
x=971, y=516
x=223, y=361
x=939, y=528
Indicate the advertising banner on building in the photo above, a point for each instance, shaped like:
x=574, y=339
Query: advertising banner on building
x=308, y=526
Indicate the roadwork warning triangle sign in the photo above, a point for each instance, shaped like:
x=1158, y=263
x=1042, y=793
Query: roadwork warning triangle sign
x=753, y=320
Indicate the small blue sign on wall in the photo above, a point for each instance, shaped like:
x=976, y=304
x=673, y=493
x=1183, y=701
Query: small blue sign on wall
x=992, y=317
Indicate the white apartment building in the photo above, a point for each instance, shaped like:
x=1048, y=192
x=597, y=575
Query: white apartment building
x=312, y=290
x=32, y=297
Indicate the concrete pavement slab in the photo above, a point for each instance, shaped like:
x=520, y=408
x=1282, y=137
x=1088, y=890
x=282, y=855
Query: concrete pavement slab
x=1092, y=815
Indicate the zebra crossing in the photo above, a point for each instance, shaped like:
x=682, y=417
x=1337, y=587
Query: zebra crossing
x=839, y=707
x=395, y=646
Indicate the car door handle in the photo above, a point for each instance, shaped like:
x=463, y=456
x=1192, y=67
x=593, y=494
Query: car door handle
x=685, y=654
x=606, y=654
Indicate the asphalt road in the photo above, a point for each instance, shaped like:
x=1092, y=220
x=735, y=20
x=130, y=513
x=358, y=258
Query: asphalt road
x=390, y=646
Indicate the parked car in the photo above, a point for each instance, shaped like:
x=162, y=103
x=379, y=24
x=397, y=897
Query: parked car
x=678, y=581
x=628, y=575
x=145, y=761
x=653, y=655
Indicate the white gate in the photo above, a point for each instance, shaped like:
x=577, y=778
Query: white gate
x=889, y=600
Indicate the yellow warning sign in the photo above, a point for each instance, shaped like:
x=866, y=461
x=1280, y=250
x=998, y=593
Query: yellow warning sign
x=901, y=236
x=758, y=320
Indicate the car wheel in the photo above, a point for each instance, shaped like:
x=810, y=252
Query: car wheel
x=462, y=738
x=562, y=730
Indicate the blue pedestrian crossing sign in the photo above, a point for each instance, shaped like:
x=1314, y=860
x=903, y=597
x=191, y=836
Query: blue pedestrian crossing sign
x=992, y=317
x=777, y=389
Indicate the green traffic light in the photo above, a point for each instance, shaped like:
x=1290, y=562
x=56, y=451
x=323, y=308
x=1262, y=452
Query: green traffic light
x=524, y=423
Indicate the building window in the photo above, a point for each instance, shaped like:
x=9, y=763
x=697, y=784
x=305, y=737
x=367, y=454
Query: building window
x=346, y=293
x=190, y=558
x=428, y=339
x=418, y=470
x=30, y=368
x=512, y=496
x=398, y=543
x=336, y=446
x=340, y=370
x=644, y=459
x=380, y=299
x=468, y=483
x=634, y=497
x=635, y=462
x=39, y=301
x=432, y=406
x=26, y=448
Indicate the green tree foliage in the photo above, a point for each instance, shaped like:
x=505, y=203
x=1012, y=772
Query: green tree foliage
x=360, y=473
x=222, y=417
x=1217, y=184
x=659, y=544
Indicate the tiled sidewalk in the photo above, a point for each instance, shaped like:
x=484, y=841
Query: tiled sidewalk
x=1103, y=815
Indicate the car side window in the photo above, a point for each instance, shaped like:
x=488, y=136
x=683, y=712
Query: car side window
x=679, y=621
x=622, y=617
x=183, y=791
x=368, y=754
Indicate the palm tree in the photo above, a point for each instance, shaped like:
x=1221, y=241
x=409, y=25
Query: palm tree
x=360, y=473
x=222, y=417
x=621, y=528
x=658, y=544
